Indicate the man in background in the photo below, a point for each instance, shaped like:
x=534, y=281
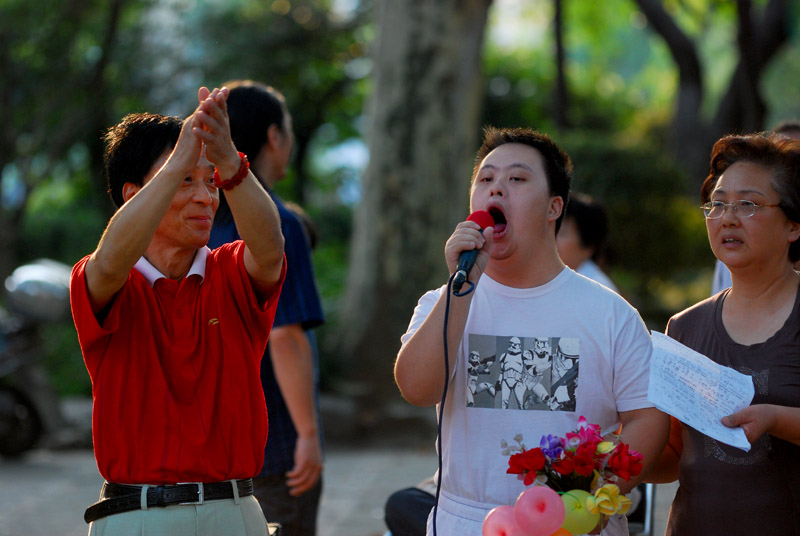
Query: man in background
x=582, y=236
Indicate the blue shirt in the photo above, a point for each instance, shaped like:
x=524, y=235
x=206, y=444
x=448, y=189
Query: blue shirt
x=299, y=303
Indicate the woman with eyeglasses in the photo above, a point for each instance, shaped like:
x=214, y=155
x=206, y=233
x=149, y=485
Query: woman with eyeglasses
x=752, y=207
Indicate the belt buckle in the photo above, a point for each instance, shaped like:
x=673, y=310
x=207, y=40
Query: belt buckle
x=200, y=492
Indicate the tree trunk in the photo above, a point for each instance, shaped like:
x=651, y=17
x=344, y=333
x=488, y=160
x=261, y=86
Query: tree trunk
x=741, y=109
x=687, y=134
x=423, y=131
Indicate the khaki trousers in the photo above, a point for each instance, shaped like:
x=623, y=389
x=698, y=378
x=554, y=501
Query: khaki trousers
x=228, y=517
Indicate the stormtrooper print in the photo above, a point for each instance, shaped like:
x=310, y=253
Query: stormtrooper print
x=476, y=367
x=527, y=373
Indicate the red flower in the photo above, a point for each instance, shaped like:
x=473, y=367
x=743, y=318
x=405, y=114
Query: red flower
x=525, y=462
x=584, y=460
x=625, y=463
x=565, y=465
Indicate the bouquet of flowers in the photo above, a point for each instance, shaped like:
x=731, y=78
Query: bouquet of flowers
x=574, y=481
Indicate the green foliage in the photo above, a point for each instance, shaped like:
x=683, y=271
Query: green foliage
x=517, y=89
x=63, y=360
x=60, y=223
x=782, y=97
x=613, y=61
x=657, y=238
x=618, y=77
x=52, y=55
x=316, y=59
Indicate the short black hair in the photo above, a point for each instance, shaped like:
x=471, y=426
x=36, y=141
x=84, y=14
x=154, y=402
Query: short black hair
x=787, y=125
x=557, y=164
x=132, y=147
x=590, y=219
x=253, y=107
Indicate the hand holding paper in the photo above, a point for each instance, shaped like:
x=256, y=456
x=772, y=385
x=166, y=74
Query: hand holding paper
x=697, y=391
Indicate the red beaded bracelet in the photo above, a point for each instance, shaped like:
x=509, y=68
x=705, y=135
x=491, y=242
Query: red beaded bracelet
x=237, y=179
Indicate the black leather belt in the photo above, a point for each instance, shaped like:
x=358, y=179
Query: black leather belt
x=119, y=498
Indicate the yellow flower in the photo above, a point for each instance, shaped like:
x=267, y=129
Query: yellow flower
x=608, y=501
x=605, y=447
x=595, y=479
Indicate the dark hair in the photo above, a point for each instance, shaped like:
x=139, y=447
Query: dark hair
x=133, y=146
x=590, y=219
x=557, y=164
x=789, y=125
x=774, y=152
x=253, y=107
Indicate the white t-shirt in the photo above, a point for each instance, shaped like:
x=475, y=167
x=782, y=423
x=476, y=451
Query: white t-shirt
x=589, y=269
x=571, y=324
x=722, y=278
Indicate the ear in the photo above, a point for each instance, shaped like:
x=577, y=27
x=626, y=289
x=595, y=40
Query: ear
x=794, y=230
x=556, y=208
x=275, y=137
x=129, y=189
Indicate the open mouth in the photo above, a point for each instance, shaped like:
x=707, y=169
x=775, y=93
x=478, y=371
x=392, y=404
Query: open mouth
x=499, y=219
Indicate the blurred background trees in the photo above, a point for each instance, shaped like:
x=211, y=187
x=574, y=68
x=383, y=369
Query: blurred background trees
x=421, y=134
x=388, y=100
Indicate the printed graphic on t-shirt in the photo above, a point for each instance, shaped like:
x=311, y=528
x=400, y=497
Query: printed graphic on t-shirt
x=536, y=373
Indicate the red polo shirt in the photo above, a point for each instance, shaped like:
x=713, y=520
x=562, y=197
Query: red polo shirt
x=175, y=372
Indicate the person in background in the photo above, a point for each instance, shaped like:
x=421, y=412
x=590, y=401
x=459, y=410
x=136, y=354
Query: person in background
x=582, y=237
x=289, y=486
x=406, y=510
x=789, y=128
x=522, y=178
x=722, y=276
x=172, y=333
x=752, y=208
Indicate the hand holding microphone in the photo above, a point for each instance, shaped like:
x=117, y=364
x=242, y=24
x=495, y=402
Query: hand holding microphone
x=467, y=257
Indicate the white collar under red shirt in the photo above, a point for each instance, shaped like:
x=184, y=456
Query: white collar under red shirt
x=152, y=274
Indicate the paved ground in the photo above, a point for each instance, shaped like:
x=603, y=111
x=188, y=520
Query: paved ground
x=45, y=493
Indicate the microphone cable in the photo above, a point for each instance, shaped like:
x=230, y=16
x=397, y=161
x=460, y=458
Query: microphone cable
x=444, y=391
x=469, y=289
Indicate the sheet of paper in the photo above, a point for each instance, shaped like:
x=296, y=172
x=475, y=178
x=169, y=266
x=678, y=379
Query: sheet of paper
x=697, y=391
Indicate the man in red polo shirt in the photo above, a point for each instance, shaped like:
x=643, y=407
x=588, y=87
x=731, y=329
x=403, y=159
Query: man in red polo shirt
x=172, y=333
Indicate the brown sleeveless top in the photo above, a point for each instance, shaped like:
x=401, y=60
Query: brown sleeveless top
x=724, y=490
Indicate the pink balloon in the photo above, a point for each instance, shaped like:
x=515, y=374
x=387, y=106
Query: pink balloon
x=539, y=511
x=500, y=522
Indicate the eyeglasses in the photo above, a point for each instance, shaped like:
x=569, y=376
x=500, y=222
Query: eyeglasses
x=742, y=208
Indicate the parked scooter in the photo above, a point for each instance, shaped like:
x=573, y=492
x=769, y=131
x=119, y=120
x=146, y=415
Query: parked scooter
x=30, y=411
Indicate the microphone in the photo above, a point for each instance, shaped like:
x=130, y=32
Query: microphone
x=466, y=260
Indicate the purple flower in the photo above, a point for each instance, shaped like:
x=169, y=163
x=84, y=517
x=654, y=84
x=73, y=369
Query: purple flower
x=551, y=446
